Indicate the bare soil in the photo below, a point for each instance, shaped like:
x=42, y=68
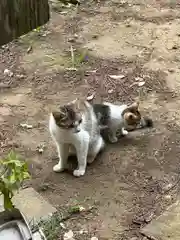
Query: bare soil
x=137, y=178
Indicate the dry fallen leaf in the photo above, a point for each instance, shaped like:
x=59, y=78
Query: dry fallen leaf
x=62, y=225
x=40, y=148
x=140, y=84
x=138, y=79
x=21, y=76
x=92, y=71
x=90, y=97
x=81, y=208
x=69, y=235
x=29, y=49
x=117, y=76
x=71, y=69
x=25, y=125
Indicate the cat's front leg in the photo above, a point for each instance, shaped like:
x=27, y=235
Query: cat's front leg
x=97, y=147
x=112, y=135
x=63, y=152
x=124, y=132
x=82, y=153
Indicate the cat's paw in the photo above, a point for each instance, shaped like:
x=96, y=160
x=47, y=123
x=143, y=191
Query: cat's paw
x=124, y=132
x=58, y=168
x=78, y=172
x=113, y=139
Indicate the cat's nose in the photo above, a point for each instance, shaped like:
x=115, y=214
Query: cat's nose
x=76, y=130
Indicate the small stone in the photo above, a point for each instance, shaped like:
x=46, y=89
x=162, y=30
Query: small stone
x=168, y=197
x=81, y=232
x=174, y=47
x=110, y=91
x=72, y=40
x=8, y=73
x=95, y=36
x=94, y=238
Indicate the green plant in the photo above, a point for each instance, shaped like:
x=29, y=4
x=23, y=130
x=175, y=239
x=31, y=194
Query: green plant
x=13, y=173
x=52, y=226
x=79, y=57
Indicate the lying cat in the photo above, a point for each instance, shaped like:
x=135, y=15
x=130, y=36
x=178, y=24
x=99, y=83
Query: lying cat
x=75, y=128
x=119, y=118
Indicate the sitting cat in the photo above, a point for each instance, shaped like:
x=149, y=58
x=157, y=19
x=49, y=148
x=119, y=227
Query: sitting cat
x=119, y=117
x=75, y=127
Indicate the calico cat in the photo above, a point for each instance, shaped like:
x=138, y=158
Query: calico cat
x=120, y=117
x=74, y=128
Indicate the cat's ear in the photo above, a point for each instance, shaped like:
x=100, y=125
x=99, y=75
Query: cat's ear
x=135, y=105
x=75, y=104
x=59, y=116
x=72, y=103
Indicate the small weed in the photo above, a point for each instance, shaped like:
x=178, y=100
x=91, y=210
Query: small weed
x=78, y=57
x=75, y=209
x=52, y=226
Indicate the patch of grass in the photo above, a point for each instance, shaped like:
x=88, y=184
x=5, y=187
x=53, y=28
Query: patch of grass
x=52, y=226
x=78, y=57
x=75, y=209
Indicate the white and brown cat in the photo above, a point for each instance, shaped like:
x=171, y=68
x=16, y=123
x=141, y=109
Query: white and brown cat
x=115, y=118
x=74, y=129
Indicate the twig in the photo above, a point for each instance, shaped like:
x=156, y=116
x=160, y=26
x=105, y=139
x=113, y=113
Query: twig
x=72, y=56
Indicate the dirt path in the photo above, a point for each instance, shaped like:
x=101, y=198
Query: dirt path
x=135, y=179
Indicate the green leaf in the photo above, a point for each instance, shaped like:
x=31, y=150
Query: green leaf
x=26, y=175
x=11, y=180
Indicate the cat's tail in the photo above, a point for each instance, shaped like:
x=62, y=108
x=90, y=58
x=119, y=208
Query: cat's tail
x=88, y=106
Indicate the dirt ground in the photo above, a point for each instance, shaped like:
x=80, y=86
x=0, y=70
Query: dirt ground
x=136, y=179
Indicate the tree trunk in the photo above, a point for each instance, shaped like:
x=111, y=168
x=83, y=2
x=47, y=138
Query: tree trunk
x=18, y=17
